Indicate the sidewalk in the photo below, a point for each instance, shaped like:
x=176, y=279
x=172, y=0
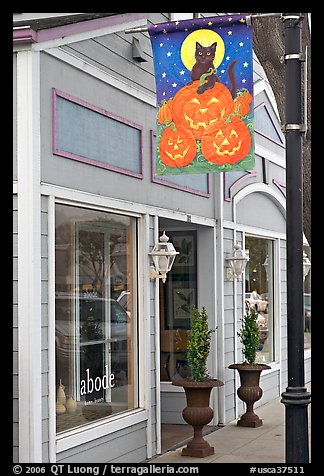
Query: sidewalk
x=233, y=444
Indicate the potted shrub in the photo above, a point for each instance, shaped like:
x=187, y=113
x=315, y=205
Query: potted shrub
x=198, y=386
x=249, y=370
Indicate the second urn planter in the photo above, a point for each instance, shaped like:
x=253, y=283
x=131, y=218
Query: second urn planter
x=249, y=370
x=249, y=391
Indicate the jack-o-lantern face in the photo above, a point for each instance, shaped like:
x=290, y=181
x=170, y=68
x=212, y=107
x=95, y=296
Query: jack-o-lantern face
x=177, y=146
x=198, y=111
x=226, y=143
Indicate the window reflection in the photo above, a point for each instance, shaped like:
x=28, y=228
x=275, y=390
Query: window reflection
x=259, y=292
x=95, y=334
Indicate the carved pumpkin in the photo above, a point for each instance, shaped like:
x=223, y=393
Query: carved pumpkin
x=242, y=103
x=165, y=113
x=177, y=146
x=198, y=111
x=226, y=143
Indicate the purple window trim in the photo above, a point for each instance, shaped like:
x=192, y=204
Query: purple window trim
x=229, y=195
x=103, y=112
x=281, y=186
x=79, y=27
x=183, y=188
x=282, y=144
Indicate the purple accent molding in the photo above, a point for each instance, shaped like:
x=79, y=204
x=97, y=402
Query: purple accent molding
x=79, y=27
x=264, y=105
x=183, y=188
x=24, y=35
x=79, y=158
x=228, y=194
x=281, y=185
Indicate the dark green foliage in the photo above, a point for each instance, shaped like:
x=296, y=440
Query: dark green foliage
x=199, y=345
x=249, y=335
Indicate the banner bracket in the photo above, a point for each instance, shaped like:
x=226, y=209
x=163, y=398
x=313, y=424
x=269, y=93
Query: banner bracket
x=300, y=56
x=293, y=127
x=140, y=29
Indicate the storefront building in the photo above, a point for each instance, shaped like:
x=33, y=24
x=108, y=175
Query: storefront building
x=96, y=341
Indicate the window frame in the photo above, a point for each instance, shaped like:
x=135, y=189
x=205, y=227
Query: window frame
x=276, y=291
x=70, y=438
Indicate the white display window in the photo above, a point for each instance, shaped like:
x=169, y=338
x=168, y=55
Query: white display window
x=95, y=326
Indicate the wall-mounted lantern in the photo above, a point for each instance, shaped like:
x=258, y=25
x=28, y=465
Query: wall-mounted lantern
x=238, y=260
x=163, y=256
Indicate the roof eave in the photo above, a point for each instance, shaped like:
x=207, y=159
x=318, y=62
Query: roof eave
x=25, y=34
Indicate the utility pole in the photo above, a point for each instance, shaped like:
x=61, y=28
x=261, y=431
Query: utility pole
x=296, y=398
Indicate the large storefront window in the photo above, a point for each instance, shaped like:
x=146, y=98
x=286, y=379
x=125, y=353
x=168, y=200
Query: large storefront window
x=259, y=279
x=178, y=296
x=95, y=315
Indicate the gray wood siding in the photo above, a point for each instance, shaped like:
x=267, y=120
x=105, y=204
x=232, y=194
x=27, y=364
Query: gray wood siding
x=278, y=174
x=125, y=446
x=113, y=54
x=94, y=179
x=172, y=404
x=15, y=392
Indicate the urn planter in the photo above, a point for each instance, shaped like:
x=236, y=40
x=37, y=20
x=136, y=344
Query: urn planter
x=249, y=391
x=198, y=413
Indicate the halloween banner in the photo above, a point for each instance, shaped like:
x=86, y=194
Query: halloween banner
x=204, y=90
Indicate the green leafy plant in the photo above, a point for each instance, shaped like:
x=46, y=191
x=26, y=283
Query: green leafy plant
x=199, y=345
x=249, y=335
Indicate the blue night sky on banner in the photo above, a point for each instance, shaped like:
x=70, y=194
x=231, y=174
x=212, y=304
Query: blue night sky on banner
x=204, y=89
x=170, y=70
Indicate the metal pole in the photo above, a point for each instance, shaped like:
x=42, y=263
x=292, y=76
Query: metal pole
x=295, y=398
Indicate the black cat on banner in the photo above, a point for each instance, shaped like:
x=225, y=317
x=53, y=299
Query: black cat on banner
x=204, y=69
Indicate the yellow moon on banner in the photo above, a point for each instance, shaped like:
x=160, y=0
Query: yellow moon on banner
x=205, y=38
